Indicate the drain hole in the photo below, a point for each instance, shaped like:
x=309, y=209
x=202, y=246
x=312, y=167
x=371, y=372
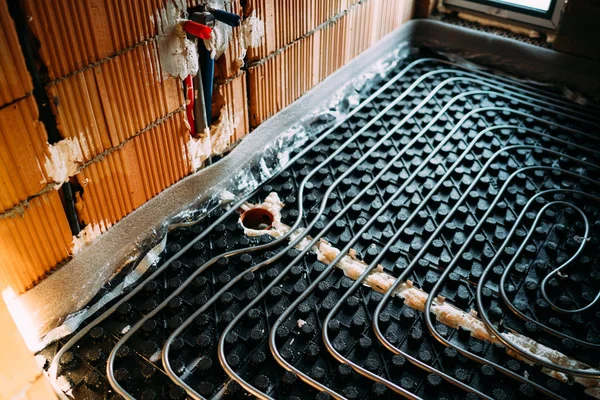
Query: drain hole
x=257, y=218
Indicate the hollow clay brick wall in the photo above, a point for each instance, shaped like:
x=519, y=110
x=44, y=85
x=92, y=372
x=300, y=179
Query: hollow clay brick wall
x=123, y=123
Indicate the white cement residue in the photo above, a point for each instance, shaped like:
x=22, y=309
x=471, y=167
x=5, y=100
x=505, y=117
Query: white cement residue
x=219, y=39
x=63, y=162
x=41, y=361
x=548, y=354
x=86, y=236
x=177, y=55
x=454, y=317
x=304, y=242
x=213, y=141
x=249, y=34
x=156, y=356
x=222, y=132
x=253, y=30
x=413, y=297
x=64, y=386
x=198, y=150
x=226, y=196
x=221, y=33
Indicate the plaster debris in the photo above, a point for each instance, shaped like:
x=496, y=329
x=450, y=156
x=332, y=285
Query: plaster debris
x=223, y=130
x=219, y=39
x=198, y=150
x=212, y=142
x=156, y=356
x=41, y=361
x=250, y=34
x=413, y=297
x=454, y=317
x=377, y=279
x=63, y=385
x=416, y=298
x=304, y=242
x=380, y=282
x=300, y=323
x=253, y=30
x=86, y=236
x=177, y=55
x=326, y=253
x=532, y=347
x=226, y=196
x=221, y=34
x=63, y=162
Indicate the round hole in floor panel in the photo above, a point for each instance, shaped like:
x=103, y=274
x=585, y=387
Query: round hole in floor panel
x=257, y=218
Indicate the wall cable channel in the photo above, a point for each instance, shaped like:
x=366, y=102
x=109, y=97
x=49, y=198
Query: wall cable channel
x=477, y=189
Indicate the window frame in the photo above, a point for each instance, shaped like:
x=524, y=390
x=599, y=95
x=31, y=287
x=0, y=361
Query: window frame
x=545, y=19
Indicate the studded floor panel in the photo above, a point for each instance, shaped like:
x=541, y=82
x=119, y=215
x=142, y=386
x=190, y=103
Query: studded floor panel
x=478, y=189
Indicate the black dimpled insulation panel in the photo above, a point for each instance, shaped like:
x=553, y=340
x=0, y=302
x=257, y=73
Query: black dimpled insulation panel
x=454, y=179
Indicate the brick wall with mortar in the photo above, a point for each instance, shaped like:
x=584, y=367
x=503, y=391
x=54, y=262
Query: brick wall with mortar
x=125, y=131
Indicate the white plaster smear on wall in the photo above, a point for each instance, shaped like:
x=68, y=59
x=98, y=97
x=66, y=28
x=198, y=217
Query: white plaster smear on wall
x=198, y=149
x=253, y=29
x=177, y=55
x=214, y=141
x=63, y=160
x=416, y=298
x=251, y=33
x=222, y=132
x=86, y=236
x=219, y=40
